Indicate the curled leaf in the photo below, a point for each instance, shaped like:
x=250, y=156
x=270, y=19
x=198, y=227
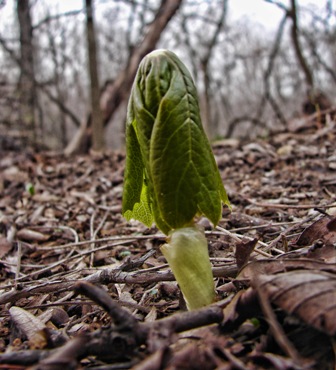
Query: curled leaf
x=171, y=174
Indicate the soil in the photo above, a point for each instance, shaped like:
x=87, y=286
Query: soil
x=83, y=288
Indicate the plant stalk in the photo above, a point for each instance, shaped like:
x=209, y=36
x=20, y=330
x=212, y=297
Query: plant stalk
x=188, y=257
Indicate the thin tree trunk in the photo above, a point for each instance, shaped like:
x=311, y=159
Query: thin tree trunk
x=206, y=73
x=297, y=47
x=116, y=92
x=119, y=90
x=96, y=114
x=27, y=76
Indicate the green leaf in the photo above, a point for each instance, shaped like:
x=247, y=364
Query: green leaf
x=170, y=169
x=136, y=200
x=30, y=188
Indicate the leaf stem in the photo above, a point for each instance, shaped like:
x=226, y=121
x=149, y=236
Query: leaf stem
x=188, y=256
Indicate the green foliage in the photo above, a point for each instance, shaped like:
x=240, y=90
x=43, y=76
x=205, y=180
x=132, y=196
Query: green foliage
x=30, y=188
x=171, y=174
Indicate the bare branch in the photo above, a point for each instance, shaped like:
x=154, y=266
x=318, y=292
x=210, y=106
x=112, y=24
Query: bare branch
x=51, y=18
x=267, y=94
x=42, y=86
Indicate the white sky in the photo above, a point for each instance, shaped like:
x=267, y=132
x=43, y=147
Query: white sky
x=269, y=15
x=257, y=11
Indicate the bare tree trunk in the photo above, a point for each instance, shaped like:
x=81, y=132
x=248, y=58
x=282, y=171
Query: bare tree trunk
x=116, y=92
x=316, y=100
x=60, y=92
x=119, y=90
x=205, y=70
x=297, y=47
x=267, y=95
x=96, y=114
x=27, y=76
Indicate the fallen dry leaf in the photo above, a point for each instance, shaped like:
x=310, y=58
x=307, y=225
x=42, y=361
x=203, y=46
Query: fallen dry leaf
x=308, y=294
x=32, y=235
x=32, y=327
x=244, y=250
x=270, y=267
x=321, y=229
x=77, y=203
x=331, y=225
x=5, y=246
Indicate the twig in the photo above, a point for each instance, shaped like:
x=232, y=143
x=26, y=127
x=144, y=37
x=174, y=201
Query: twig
x=107, y=277
x=73, y=231
x=18, y=263
x=65, y=357
x=289, y=206
x=132, y=264
x=94, y=233
x=67, y=259
x=263, y=226
x=275, y=327
x=121, y=317
x=290, y=229
x=238, y=238
x=103, y=240
x=237, y=364
x=92, y=237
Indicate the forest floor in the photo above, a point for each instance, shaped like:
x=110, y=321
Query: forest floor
x=82, y=288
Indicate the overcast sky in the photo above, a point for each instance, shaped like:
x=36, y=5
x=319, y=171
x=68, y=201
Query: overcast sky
x=263, y=12
x=266, y=14
x=257, y=11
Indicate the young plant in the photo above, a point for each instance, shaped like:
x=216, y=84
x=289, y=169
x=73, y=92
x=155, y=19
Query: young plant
x=171, y=175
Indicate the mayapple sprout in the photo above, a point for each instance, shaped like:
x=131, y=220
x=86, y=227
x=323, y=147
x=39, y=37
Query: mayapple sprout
x=171, y=175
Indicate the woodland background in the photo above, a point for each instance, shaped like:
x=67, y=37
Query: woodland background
x=66, y=76
x=80, y=287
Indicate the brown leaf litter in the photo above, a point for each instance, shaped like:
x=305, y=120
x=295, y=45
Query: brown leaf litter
x=83, y=288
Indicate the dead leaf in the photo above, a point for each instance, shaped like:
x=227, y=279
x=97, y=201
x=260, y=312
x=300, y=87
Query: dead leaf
x=25, y=321
x=32, y=235
x=271, y=266
x=321, y=229
x=152, y=315
x=308, y=294
x=244, y=305
x=273, y=361
x=331, y=225
x=154, y=361
x=5, y=247
x=30, y=326
x=326, y=253
x=244, y=250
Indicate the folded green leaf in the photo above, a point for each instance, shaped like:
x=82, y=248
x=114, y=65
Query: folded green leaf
x=171, y=173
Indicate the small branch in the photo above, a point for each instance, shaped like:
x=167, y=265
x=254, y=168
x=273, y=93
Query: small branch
x=121, y=316
x=51, y=18
x=175, y=324
x=275, y=327
x=105, y=277
x=278, y=4
x=267, y=94
x=290, y=206
x=41, y=85
x=66, y=356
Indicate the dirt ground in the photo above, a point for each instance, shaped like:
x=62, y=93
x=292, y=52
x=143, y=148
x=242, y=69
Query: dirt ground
x=82, y=288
